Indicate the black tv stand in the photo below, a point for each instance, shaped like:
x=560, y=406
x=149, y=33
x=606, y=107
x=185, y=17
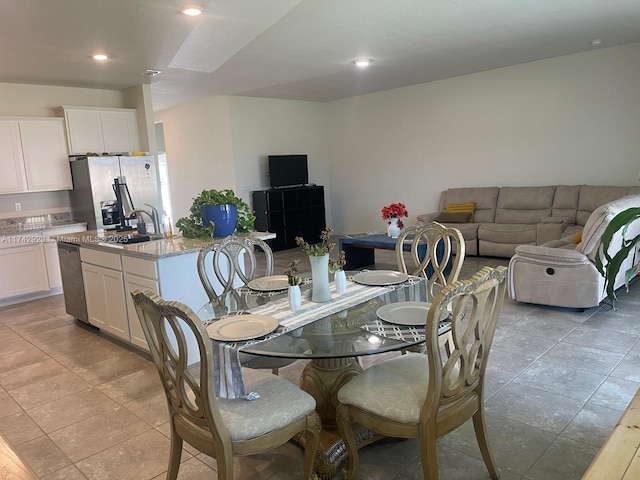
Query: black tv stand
x=290, y=212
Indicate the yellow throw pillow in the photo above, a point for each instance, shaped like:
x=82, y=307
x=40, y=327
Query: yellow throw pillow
x=468, y=207
x=578, y=238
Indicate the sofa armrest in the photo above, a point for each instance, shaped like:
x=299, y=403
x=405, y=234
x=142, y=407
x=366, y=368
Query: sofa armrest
x=550, y=255
x=427, y=218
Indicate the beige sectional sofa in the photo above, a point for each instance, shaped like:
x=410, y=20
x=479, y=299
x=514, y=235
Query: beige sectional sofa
x=506, y=217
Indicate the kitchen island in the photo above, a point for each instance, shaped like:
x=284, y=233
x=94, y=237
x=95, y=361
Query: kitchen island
x=112, y=270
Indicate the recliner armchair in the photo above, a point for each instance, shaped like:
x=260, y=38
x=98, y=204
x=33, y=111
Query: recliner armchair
x=562, y=273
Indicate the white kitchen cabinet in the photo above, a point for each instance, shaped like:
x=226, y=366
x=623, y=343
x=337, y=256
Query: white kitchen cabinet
x=139, y=274
x=120, y=131
x=98, y=130
x=22, y=267
x=45, y=154
x=13, y=177
x=104, y=290
x=52, y=262
x=33, y=155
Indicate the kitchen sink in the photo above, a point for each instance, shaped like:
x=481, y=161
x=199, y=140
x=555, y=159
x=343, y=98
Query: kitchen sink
x=131, y=238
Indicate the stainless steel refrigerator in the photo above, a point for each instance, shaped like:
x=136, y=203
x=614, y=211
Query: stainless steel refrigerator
x=93, y=198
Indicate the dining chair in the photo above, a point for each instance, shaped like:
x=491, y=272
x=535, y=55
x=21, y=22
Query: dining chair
x=426, y=396
x=230, y=259
x=220, y=428
x=444, y=247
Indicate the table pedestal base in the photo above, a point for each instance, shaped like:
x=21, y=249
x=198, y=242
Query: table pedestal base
x=322, y=378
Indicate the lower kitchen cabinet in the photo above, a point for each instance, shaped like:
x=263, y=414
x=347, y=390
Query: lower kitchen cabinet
x=22, y=269
x=104, y=290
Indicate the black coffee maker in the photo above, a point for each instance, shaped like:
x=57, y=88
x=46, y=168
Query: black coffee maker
x=110, y=214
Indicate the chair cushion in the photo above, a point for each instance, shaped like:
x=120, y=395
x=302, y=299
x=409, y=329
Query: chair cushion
x=461, y=217
x=280, y=403
x=395, y=389
x=467, y=207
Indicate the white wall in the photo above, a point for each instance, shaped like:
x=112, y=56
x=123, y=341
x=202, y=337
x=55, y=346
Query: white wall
x=199, y=150
x=17, y=100
x=263, y=126
x=567, y=120
x=40, y=100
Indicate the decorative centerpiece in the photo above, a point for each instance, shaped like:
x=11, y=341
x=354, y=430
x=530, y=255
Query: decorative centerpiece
x=319, y=259
x=339, y=277
x=295, y=297
x=216, y=213
x=392, y=214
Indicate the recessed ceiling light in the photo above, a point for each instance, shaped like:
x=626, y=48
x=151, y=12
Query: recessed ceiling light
x=100, y=57
x=363, y=62
x=151, y=73
x=192, y=11
x=596, y=43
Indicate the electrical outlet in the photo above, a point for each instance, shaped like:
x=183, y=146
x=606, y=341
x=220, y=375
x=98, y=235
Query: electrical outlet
x=18, y=207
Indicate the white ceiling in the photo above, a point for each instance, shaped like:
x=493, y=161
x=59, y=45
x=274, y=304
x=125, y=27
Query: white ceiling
x=294, y=49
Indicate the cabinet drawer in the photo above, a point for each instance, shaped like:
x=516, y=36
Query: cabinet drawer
x=140, y=267
x=101, y=259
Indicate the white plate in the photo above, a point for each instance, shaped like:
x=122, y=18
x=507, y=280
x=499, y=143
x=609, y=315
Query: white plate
x=242, y=327
x=380, y=277
x=407, y=313
x=269, y=284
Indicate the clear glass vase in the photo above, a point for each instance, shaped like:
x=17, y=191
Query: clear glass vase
x=320, y=278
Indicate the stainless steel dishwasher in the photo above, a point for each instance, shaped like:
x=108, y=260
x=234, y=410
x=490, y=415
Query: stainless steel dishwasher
x=75, y=301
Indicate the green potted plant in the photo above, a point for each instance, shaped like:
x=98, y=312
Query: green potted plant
x=620, y=223
x=194, y=226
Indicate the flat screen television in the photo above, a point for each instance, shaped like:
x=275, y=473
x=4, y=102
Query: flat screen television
x=287, y=170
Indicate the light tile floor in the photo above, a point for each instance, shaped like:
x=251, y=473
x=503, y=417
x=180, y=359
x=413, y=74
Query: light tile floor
x=77, y=405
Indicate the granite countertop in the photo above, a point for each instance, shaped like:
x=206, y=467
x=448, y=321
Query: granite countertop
x=37, y=223
x=153, y=249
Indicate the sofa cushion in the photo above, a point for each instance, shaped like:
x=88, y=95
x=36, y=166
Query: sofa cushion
x=517, y=234
x=485, y=199
x=565, y=202
x=593, y=196
x=524, y=205
x=462, y=217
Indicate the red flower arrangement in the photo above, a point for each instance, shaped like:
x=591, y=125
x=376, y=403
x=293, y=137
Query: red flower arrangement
x=395, y=210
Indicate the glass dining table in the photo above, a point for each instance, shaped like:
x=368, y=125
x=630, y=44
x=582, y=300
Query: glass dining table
x=368, y=319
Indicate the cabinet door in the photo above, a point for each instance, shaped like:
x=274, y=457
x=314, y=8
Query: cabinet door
x=131, y=283
x=120, y=131
x=22, y=270
x=53, y=265
x=106, y=303
x=45, y=155
x=85, y=131
x=12, y=178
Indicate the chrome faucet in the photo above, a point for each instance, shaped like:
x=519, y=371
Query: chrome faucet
x=153, y=215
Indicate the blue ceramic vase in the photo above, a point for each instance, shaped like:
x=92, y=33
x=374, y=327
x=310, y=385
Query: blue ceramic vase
x=223, y=217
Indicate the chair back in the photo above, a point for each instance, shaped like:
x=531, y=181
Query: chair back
x=232, y=258
x=456, y=369
x=170, y=329
x=441, y=243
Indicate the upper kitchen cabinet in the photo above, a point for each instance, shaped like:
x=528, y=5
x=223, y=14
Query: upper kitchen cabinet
x=13, y=177
x=46, y=159
x=98, y=130
x=33, y=155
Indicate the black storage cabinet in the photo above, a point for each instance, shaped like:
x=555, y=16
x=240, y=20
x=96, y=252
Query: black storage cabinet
x=290, y=213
